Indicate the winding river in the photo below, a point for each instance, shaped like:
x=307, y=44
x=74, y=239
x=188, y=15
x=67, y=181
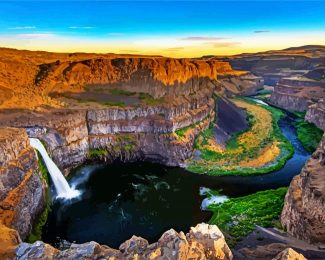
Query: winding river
x=146, y=199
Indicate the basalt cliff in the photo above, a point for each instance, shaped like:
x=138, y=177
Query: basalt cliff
x=28, y=78
x=278, y=64
x=22, y=193
x=303, y=214
x=297, y=74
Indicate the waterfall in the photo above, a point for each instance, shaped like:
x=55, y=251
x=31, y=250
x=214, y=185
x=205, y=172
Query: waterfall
x=61, y=185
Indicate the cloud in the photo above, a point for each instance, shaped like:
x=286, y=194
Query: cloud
x=262, y=31
x=81, y=27
x=174, y=49
x=203, y=38
x=224, y=44
x=32, y=36
x=22, y=28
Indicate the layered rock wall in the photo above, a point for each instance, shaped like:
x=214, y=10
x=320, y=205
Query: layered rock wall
x=27, y=79
x=276, y=65
x=146, y=133
x=21, y=188
x=246, y=84
x=297, y=94
x=303, y=214
x=157, y=76
x=316, y=114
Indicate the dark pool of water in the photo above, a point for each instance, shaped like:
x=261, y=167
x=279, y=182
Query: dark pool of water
x=122, y=200
x=146, y=199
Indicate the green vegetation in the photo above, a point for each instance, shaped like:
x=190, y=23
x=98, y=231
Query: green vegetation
x=124, y=143
x=121, y=92
x=145, y=98
x=237, y=217
x=129, y=147
x=36, y=233
x=150, y=100
x=263, y=94
x=43, y=169
x=181, y=132
x=308, y=134
x=96, y=153
x=114, y=104
x=260, y=149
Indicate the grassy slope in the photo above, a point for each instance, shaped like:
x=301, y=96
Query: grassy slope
x=238, y=216
x=308, y=134
x=146, y=99
x=238, y=151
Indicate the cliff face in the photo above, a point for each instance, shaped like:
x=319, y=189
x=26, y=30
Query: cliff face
x=21, y=189
x=146, y=133
x=298, y=93
x=297, y=74
x=246, y=84
x=28, y=78
x=202, y=242
x=316, y=114
x=275, y=65
x=303, y=214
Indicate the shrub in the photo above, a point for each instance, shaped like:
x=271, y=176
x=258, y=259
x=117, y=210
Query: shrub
x=308, y=134
x=96, y=153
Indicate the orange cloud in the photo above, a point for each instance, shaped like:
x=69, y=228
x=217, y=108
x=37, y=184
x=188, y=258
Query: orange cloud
x=203, y=38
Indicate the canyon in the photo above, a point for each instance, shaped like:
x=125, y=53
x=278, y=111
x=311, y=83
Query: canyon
x=297, y=74
x=41, y=98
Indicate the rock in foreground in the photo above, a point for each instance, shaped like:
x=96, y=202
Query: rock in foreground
x=289, y=254
x=202, y=242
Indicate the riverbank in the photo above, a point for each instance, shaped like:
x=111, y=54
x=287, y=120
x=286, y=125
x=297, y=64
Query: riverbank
x=237, y=217
x=260, y=149
x=308, y=134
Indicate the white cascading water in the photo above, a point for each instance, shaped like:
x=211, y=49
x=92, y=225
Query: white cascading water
x=61, y=185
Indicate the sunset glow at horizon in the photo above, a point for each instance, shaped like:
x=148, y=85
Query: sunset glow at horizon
x=175, y=29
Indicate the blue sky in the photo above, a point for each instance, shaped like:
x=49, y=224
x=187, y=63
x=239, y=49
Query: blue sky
x=163, y=27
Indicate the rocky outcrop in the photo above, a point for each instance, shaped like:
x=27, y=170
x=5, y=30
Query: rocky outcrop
x=29, y=78
x=289, y=254
x=158, y=76
x=303, y=215
x=269, y=250
x=21, y=188
x=63, y=131
x=202, y=242
x=128, y=134
x=227, y=113
x=246, y=84
x=9, y=239
x=276, y=65
x=298, y=93
x=316, y=114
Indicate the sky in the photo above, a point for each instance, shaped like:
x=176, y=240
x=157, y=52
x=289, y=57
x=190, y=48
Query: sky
x=169, y=28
